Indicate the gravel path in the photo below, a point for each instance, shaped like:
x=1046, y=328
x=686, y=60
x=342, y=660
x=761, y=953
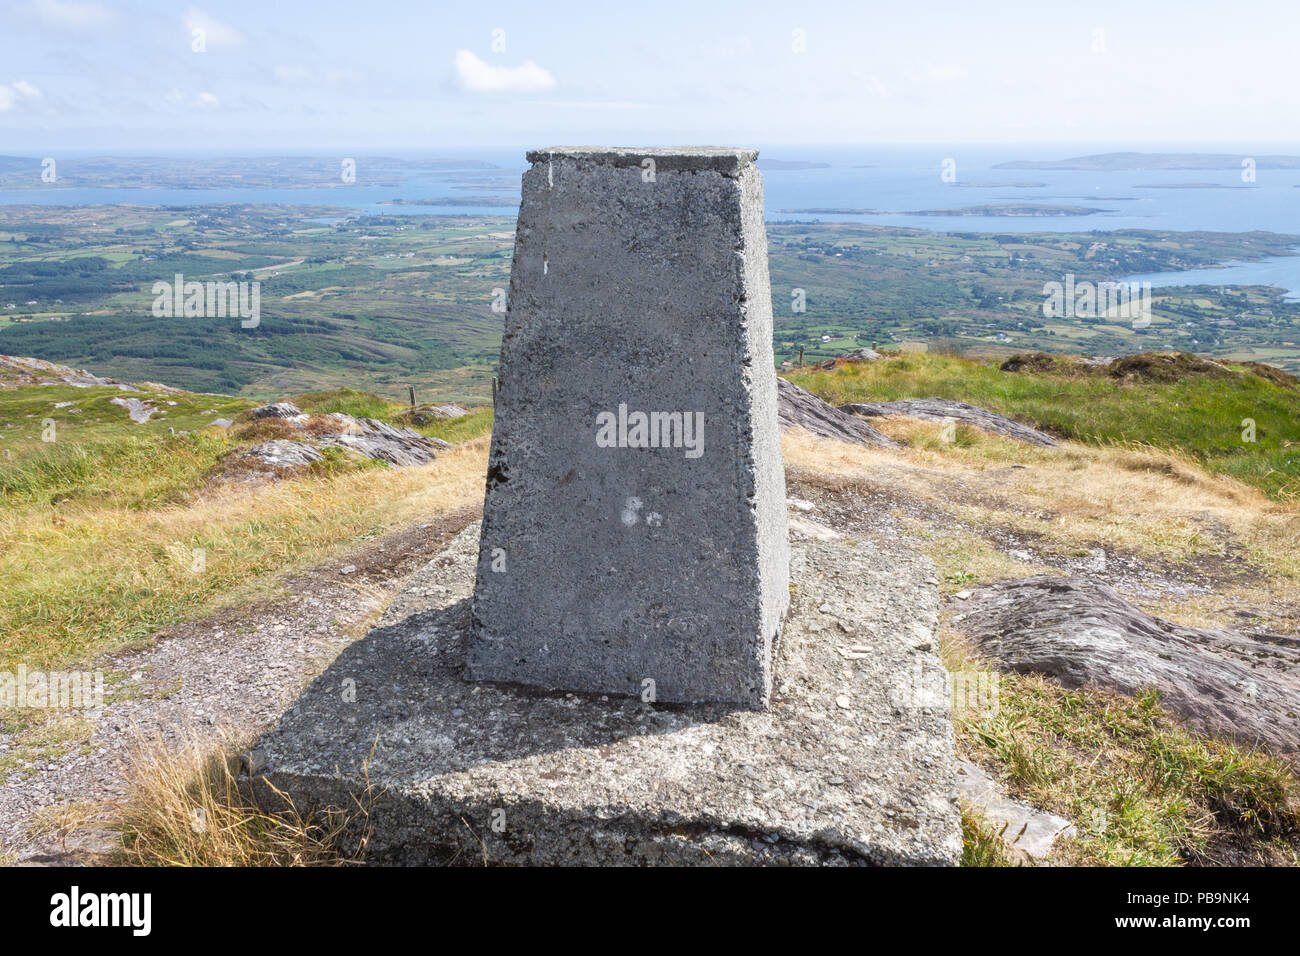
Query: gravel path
x=234, y=672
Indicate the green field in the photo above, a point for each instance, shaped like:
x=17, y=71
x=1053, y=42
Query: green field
x=381, y=302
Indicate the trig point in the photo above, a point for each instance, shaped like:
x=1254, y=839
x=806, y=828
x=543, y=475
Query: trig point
x=634, y=542
x=634, y=532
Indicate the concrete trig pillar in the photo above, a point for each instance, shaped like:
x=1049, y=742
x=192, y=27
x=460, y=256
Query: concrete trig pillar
x=634, y=532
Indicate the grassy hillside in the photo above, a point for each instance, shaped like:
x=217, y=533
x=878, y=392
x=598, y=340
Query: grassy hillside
x=1182, y=404
x=372, y=302
x=1190, y=547
x=100, y=528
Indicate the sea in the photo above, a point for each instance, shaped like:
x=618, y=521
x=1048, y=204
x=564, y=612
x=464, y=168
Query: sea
x=885, y=185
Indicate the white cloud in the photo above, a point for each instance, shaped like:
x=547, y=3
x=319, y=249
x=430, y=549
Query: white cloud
x=292, y=74
x=946, y=72
x=619, y=105
x=477, y=76
x=16, y=93
x=216, y=32
x=71, y=14
x=197, y=101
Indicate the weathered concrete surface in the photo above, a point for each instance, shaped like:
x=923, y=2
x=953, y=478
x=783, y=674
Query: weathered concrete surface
x=937, y=409
x=1081, y=633
x=852, y=763
x=800, y=408
x=604, y=568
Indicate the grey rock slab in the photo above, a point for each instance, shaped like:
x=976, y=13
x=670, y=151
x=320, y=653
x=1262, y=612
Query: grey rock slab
x=937, y=409
x=277, y=410
x=615, y=554
x=383, y=442
x=282, y=453
x=138, y=411
x=800, y=408
x=366, y=436
x=1031, y=831
x=1081, y=633
x=428, y=414
x=447, y=411
x=589, y=779
x=18, y=370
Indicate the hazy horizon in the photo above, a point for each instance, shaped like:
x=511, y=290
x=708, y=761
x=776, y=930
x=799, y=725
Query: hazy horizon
x=1058, y=150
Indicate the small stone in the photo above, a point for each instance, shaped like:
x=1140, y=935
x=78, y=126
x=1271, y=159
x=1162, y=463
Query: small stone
x=348, y=569
x=254, y=761
x=842, y=701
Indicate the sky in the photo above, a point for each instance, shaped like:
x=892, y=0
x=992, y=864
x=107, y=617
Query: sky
x=238, y=76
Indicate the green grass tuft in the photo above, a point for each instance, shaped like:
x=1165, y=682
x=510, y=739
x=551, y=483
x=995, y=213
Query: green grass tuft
x=1201, y=415
x=347, y=401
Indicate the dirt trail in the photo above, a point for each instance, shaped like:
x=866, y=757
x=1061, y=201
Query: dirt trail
x=235, y=671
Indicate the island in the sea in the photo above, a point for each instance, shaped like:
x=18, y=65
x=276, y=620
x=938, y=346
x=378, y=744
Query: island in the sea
x=1010, y=209
x=1122, y=162
x=788, y=164
x=1191, y=186
x=1009, y=185
x=988, y=209
x=223, y=172
x=492, y=201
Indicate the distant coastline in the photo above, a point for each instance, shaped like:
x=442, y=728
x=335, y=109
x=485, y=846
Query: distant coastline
x=1132, y=162
x=988, y=209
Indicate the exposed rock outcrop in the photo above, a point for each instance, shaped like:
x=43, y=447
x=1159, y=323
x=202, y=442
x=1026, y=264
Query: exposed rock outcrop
x=383, y=442
x=1081, y=633
x=800, y=408
x=937, y=409
x=277, y=410
x=281, y=453
x=428, y=414
x=139, y=411
x=310, y=433
x=17, y=370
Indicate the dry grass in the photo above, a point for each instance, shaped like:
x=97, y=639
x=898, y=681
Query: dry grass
x=1140, y=788
x=1170, y=401
x=85, y=577
x=1074, y=497
x=983, y=843
x=189, y=807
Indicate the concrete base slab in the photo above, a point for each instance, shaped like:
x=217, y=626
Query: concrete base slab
x=852, y=763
